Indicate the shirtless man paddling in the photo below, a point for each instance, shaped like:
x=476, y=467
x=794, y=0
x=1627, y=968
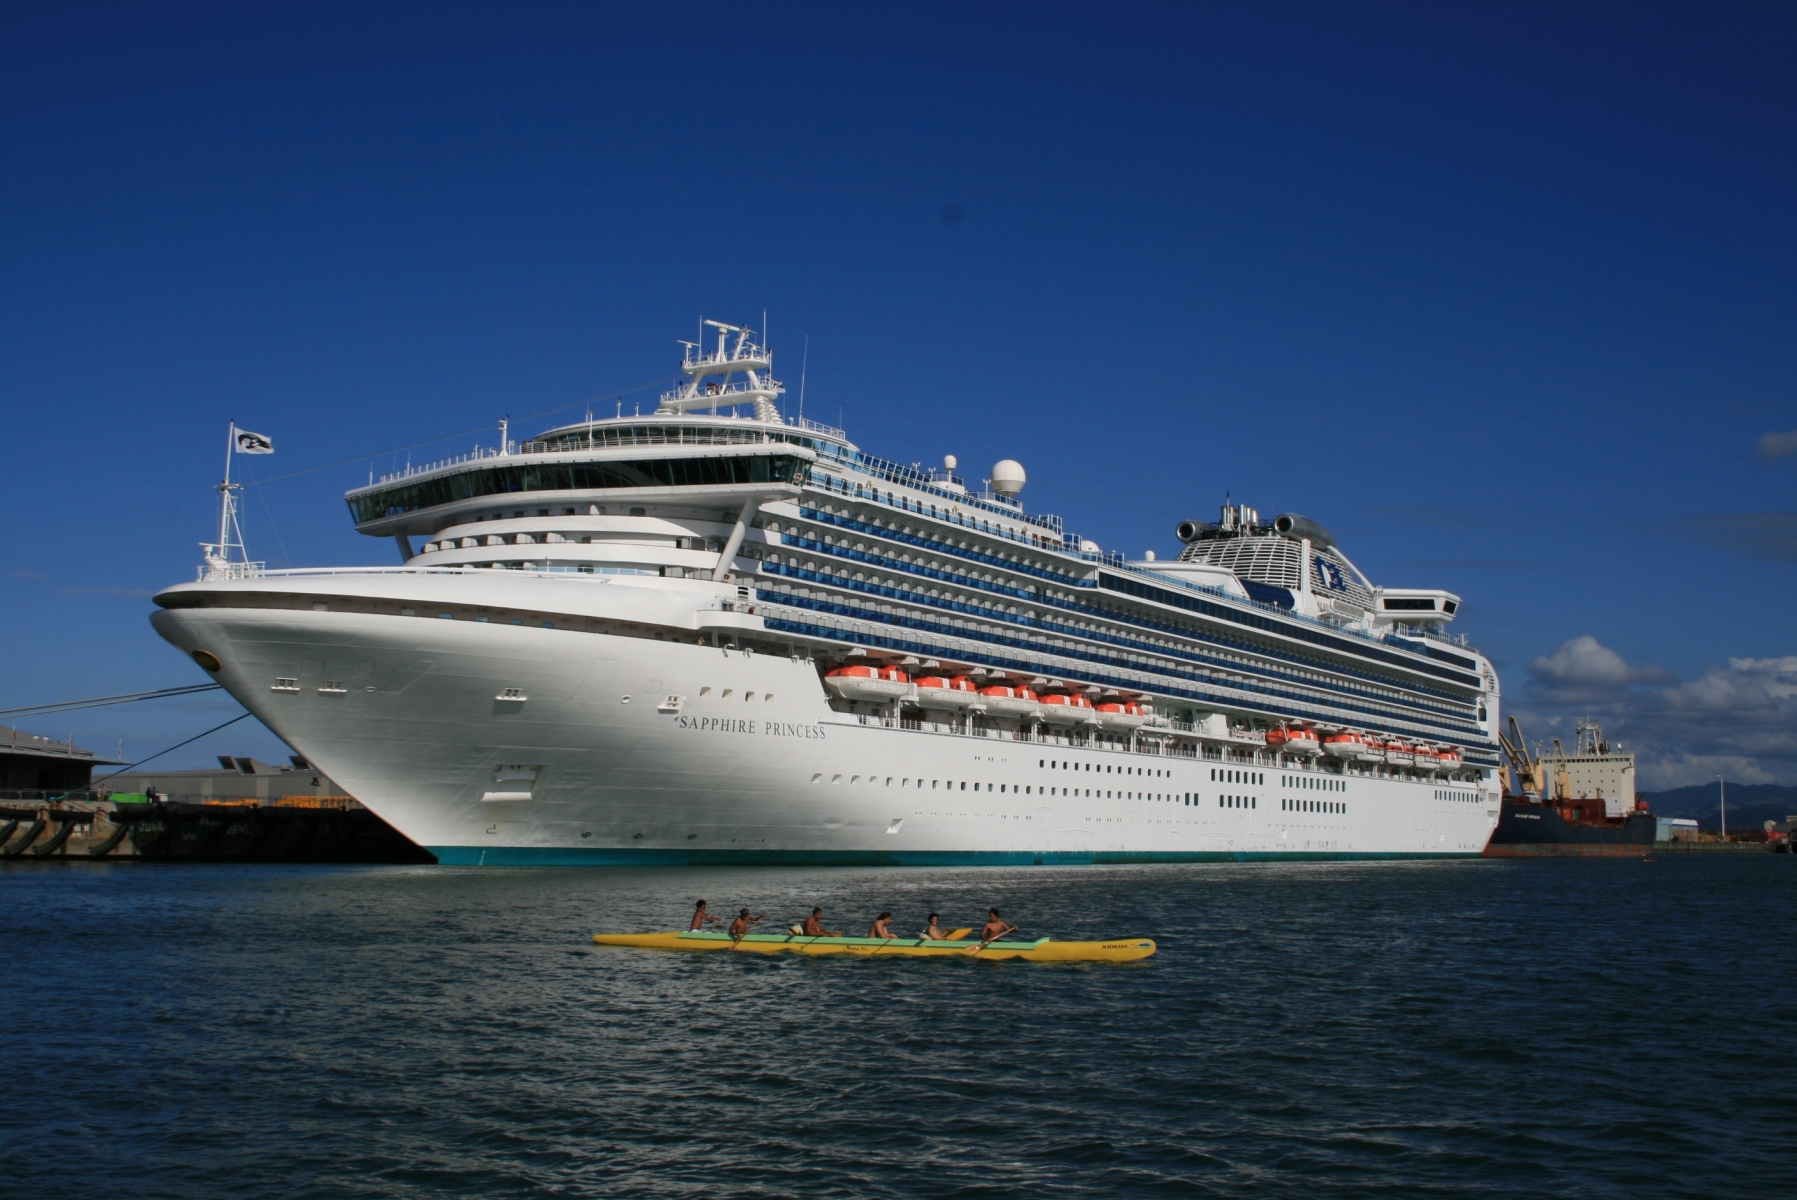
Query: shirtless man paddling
x=995, y=927
x=740, y=926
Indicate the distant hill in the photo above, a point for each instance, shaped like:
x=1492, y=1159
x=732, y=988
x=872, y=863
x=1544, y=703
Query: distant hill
x=1750, y=805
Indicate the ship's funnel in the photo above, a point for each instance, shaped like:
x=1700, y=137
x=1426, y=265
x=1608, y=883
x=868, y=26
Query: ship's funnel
x=1298, y=528
x=1188, y=531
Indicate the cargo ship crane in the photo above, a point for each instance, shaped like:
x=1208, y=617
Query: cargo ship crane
x=1530, y=775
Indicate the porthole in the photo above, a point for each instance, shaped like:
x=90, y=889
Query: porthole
x=207, y=659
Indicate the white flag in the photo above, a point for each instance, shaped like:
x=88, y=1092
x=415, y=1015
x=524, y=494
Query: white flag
x=253, y=443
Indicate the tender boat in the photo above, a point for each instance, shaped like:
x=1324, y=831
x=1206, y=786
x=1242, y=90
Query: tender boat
x=1003, y=700
x=868, y=682
x=946, y=691
x=1039, y=950
x=1122, y=714
x=1068, y=708
x=1293, y=741
x=1349, y=745
x=1399, y=754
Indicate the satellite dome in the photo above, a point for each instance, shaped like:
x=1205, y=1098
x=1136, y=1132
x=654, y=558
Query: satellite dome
x=1008, y=477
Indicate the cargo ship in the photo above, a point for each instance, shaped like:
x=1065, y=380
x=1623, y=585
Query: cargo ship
x=1588, y=807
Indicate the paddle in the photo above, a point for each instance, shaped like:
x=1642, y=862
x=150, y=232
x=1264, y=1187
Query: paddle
x=989, y=941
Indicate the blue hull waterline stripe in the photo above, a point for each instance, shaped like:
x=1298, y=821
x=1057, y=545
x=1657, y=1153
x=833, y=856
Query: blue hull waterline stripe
x=535, y=856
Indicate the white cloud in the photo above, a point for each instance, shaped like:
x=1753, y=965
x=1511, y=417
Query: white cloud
x=1772, y=446
x=1584, y=671
x=1739, y=717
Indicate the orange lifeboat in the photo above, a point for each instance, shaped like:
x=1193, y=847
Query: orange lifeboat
x=1007, y=701
x=1067, y=708
x=946, y=691
x=1451, y=759
x=865, y=681
x=1293, y=741
x=1400, y=754
x=1121, y=714
x=1349, y=745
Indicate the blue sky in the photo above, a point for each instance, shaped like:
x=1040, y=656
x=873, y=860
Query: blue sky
x=1502, y=295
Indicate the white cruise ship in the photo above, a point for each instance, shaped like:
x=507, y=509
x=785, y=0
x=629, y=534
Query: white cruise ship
x=720, y=635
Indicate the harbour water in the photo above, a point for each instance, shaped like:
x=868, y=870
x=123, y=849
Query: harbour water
x=1496, y=1028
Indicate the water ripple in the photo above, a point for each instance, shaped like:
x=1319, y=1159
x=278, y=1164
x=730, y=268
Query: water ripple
x=1315, y=1030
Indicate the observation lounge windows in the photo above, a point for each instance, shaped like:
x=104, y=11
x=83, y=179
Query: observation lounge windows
x=548, y=477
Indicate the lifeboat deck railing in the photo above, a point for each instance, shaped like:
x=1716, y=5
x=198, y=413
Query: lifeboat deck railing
x=1146, y=743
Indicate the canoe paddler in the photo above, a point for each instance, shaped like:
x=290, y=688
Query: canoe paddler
x=740, y=926
x=882, y=926
x=995, y=927
x=814, y=925
x=701, y=918
x=932, y=932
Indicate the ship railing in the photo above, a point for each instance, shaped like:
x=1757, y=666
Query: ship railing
x=583, y=570
x=930, y=480
x=1117, y=562
x=564, y=445
x=1034, y=734
x=52, y=795
x=818, y=427
x=479, y=452
x=214, y=572
x=721, y=392
x=749, y=352
x=831, y=603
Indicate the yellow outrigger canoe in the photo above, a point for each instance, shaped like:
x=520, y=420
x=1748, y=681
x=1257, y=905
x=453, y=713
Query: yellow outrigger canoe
x=1040, y=950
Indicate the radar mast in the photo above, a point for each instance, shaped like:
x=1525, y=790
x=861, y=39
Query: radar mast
x=732, y=375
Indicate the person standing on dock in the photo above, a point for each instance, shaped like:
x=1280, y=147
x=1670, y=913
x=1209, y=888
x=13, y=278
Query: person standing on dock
x=701, y=918
x=740, y=926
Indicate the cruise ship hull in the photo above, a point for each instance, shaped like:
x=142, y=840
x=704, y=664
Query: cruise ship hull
x=494, y=744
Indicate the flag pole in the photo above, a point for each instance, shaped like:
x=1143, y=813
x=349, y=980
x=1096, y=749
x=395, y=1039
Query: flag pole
x=224, y=507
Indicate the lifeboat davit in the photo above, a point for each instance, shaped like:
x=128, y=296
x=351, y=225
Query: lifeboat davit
x=1002, y=700
x=946, y=691
x=1064, y=708
x=868, y=682
x=1349, y=745
x=1294, y=741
